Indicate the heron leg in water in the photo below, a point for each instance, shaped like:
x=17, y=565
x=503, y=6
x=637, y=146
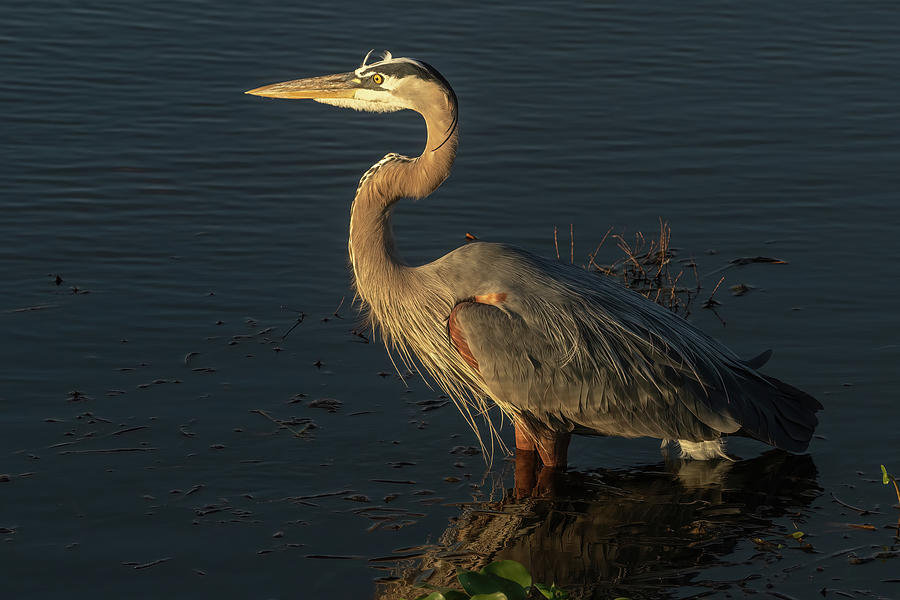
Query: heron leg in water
x=552, y=446
x=527, y=468
x=523, y=442
x=532, y=479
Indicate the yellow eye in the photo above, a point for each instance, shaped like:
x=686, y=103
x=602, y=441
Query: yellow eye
x=377, y=78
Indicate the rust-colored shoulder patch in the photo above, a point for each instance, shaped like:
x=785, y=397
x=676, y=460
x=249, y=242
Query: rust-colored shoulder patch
x=458, y=339
x=495, y=298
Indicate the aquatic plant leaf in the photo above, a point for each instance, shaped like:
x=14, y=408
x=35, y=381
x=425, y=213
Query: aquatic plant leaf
x=551, y=592
x=510, y=569
x=885, y=478
x=544, y=590
x=448, y=593
x=561, y=594
x=485, y=583
x=432, y=596
x=496, y=596
x=797, y=535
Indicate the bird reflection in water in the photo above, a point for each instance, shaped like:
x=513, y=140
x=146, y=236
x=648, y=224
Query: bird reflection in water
x=642, y=532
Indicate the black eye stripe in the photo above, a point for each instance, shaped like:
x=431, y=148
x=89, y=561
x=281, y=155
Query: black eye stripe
x=399, y=69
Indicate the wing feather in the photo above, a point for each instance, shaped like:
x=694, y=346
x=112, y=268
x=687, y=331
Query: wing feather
x=580, y=351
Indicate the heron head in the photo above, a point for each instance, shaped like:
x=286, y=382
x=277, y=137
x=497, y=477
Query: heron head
x=387, y=85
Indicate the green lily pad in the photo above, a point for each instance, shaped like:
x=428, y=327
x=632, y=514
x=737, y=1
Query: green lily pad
x=447, y=593
x=511, y=570
x=485, y=583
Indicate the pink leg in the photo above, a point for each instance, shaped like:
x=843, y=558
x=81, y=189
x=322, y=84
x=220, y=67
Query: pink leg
x=527, y=464
x=523, y=442
x=553, y=446
x=554, y=449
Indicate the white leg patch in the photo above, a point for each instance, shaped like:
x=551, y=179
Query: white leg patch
x=705, y=450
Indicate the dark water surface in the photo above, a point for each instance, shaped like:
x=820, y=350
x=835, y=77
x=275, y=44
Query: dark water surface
x=188, y=216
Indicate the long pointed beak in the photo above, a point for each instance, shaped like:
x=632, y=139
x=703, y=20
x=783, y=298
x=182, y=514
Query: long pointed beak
x=342, y=85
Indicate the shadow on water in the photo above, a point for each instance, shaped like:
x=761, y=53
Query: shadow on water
x=647, y=532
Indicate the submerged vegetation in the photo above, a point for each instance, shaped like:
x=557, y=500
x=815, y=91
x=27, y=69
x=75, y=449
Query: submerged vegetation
x=649, y=266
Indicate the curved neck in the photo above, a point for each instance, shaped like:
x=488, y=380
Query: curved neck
x=377, y=266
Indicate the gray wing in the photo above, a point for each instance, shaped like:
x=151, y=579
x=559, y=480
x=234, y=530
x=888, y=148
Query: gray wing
x=525, y=374
x=589, y=357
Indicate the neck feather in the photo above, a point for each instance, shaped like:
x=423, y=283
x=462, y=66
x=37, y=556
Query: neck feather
x=410, y=305
x=379, y=271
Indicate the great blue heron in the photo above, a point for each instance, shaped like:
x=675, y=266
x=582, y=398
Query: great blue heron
x=559, y=349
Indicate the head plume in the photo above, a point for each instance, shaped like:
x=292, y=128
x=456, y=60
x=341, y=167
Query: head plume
x=386, y=55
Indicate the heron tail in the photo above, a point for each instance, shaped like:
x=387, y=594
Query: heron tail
x=790, y=421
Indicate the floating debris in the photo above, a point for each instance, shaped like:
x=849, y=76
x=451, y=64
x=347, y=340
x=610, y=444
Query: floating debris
x=429, y=405
x=861, y=511
x=321, y=495
x=740, y=289
x=329, y=404
x=147, y=565
x=129, y=429
x=31, y=308
x=397, y=481
x=194, y=489
x=465, y=450
x=109, y=450
x=77, y=396
x=758, y=259
x=357, y=498
x=401, y=463
x=853, y=559
x=308, y=424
